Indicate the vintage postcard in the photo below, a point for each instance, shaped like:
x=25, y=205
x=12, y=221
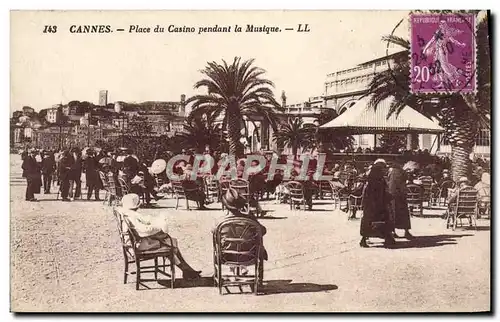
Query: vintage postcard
x=250, y=161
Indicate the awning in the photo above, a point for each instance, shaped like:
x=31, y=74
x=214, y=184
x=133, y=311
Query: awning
x=361, y=119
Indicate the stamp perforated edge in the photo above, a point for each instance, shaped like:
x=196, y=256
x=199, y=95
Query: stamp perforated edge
x=443, y=92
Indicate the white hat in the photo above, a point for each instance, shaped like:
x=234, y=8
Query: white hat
x=463, y=179
x=131, y=201
x=380, y=161
x=485, y=178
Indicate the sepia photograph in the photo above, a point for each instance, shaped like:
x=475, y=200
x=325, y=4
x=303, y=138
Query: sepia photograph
x=250, y=161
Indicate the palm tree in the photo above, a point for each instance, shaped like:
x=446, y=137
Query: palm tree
x=235, y=91
x=462, y=115
x=199, y=133
x=292, y=134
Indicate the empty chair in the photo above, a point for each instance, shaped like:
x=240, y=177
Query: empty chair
x=325, y=189
x=182, y=190
x=414, y=198
x=105, y=186
x=427, y=189
x=211, y=188
x=238, y=242
x=296, y=194
x=355, y=203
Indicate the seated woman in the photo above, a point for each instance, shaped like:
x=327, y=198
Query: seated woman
x=153, y=232
x=484, y=193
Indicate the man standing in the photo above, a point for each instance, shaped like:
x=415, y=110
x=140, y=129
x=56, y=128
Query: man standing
x=48, y=169
x=31, y=171
x=92, y=175
x=75, y=174
x=65, y=165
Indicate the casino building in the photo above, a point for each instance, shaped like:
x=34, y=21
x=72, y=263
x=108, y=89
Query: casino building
x=344, y=88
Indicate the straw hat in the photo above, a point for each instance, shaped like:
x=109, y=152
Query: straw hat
x=380, y=161
x=485, y=178
x=463, y=180
x=131, y=201
x=232, y=200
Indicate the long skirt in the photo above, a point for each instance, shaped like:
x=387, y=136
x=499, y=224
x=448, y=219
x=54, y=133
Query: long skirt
x=400, y=212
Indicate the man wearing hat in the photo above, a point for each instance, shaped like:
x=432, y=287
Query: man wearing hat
x=31, y=171
x=153, y=231
x=48, y=169
x=91, y=166
x=462, y=183
x=236, y=204
x=130, y=166
x=65, y=165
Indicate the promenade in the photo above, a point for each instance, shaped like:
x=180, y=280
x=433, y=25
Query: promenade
x=67, y=257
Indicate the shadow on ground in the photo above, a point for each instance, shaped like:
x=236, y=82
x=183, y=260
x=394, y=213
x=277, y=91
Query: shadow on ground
x=427, y=241
x=286, y=286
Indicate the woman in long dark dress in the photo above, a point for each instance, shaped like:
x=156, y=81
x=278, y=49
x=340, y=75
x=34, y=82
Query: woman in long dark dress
x=376, y=214
x=399, y=205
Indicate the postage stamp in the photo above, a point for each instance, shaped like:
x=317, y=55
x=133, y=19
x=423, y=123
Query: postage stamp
x=443, y=53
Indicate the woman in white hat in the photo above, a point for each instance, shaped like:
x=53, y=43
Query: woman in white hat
x=153, y=232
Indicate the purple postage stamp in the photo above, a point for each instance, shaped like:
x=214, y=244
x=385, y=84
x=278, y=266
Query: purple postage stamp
x=443, y=53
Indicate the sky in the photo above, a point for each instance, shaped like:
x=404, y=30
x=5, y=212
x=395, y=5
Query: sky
x=50, y=68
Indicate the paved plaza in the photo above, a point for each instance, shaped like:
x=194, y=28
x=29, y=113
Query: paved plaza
x=67, y=257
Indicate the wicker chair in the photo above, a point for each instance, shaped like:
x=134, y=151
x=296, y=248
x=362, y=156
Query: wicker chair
x=414, y=198
x=211, y=188
x=442, y=193
x=296, y=194
x=427, y=189
x=238, y=242
x=465, y=206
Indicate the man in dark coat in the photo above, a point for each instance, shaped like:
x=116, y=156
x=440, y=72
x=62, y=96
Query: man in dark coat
x=48, y=169
x=399, y=206
x=75, y=174
x=65, y=165
x=130, y=166
x=31, y=171
x=92, y=179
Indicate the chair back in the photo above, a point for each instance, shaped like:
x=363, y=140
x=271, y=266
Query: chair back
x=296, y=190
x=211, y=186
x=427, y=187
x=414, y=199
x=242, y=186
x=467, y=202
x=112, y=185
x=158, y=181
x=325, y=188
x=124, y=235
x=104, y=180
x=178, y=189
x=238, y=241
x=123, y=186
x=355, y=202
